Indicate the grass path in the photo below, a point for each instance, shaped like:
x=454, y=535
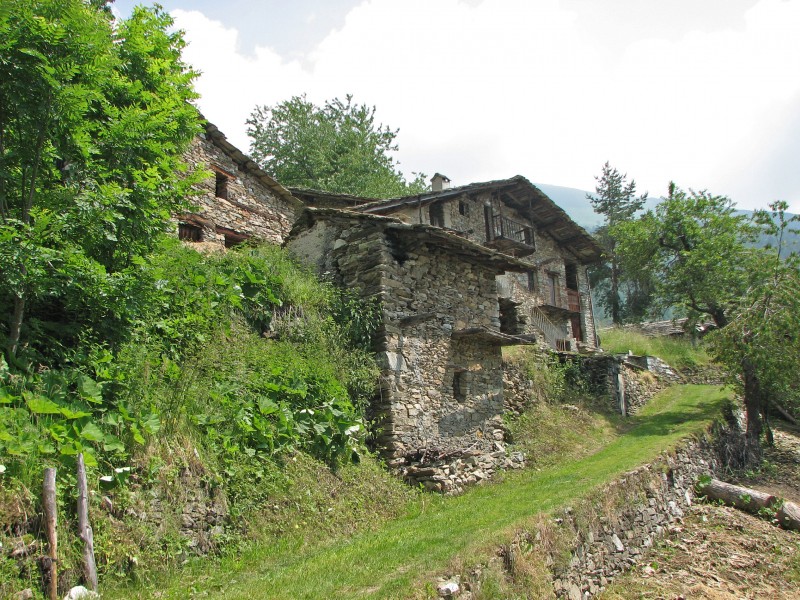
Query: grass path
x=387, y=563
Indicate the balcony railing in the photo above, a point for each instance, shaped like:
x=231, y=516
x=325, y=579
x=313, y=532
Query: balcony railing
x=511, y=230
x=511, y=236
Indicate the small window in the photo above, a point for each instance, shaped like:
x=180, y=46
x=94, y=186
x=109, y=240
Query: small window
x=462, y=385
x=571, y=274
x=221, y=186
x=531, y=281
x=463, y=208
x=232, y=238
x=437, y=214
x=189, y=233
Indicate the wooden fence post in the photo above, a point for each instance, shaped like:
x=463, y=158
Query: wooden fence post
x=50, y=521
x=84, y=528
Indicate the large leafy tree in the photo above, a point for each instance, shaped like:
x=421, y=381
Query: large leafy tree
x=337, y=147
x=697, y=251
x=760, y=345
x=616, y=200
x=94, y=116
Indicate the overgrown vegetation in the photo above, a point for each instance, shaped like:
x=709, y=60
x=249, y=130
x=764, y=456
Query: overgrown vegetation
x=234, y=363
x=678, y=352
x=437, y=533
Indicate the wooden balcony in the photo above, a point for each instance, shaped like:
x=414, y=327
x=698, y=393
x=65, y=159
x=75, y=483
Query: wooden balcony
x=511, y=237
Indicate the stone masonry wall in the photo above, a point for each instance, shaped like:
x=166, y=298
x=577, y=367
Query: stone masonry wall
x=651, y=502
x=549, y=257
x=251, y=210
x=441, y=396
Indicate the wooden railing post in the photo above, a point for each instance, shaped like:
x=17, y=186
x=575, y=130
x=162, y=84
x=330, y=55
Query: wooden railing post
x=84, y=528
x=50, y=522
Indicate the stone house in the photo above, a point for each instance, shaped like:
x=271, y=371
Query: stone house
x=439, y=344
x=460, y=273
x=238, y=201
x=550, y=298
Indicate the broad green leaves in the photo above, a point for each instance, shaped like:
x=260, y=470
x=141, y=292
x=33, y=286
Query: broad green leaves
x=94, y=116
x=695, y=248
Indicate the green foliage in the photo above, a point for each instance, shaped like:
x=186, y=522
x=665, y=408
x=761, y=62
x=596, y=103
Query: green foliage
x=554, y=381
x=677, y=352
x=211, y=353
x=336, y=148
x=94, y=116
x=760, y=346
x=695, y=247
x=625, y=295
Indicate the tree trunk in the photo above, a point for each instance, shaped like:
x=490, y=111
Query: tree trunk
x=15, y=325
x=789, y=516
x=752, y=404
x=740, y=497
x=616, y=313
x=85, y=529
x=50, y=522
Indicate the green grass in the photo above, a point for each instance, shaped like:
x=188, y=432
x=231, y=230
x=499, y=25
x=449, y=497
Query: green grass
x=678, y=352
x=437, y=532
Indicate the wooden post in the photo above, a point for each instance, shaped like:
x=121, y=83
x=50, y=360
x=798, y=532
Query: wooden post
x=50, y=522
x=85, y=529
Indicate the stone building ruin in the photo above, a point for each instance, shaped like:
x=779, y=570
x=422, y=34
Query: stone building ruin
x=238, y=201
x=460, y=272
x=550, y=298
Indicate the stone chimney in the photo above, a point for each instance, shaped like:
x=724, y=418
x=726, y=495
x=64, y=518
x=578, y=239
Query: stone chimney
x=439, y=182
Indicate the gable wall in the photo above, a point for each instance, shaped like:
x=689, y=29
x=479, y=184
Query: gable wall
x=252, y=209
x=427, y=293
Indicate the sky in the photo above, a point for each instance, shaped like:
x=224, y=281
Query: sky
x=705, y=93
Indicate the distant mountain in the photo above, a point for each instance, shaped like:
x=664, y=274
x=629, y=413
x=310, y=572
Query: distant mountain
x=575, y=203
x=578, y=207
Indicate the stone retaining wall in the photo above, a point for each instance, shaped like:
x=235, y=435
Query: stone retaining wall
x=652, y=502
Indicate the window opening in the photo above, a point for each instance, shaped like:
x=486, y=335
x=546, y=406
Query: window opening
x=463, y=208
x=531, y=281
x=221, y=185
x=571, y=275
x=437, y=214
x=189, y=233
x=462, y=384
x=552, y=279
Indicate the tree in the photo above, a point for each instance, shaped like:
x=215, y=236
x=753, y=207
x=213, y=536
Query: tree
x=760, y=345
x=696, y=249
x=616, y=200
x=335, y=148
x=94, y=116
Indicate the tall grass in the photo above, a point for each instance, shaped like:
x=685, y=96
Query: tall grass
x=678, y=352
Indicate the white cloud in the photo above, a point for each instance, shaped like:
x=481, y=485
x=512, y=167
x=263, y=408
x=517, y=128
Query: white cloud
x=514, y=86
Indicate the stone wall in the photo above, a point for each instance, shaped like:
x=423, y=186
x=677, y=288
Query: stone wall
x=465, y=215
x=439, y=411
x=650, y=502
x=251, y=209
x=518, y=390
x=626, y=382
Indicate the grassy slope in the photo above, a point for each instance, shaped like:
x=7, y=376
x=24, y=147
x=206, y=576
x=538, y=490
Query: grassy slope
x=389, y=562
x=677, y=352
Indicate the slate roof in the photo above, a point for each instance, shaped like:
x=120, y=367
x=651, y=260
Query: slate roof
x=517, y=192
x=417, y=233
